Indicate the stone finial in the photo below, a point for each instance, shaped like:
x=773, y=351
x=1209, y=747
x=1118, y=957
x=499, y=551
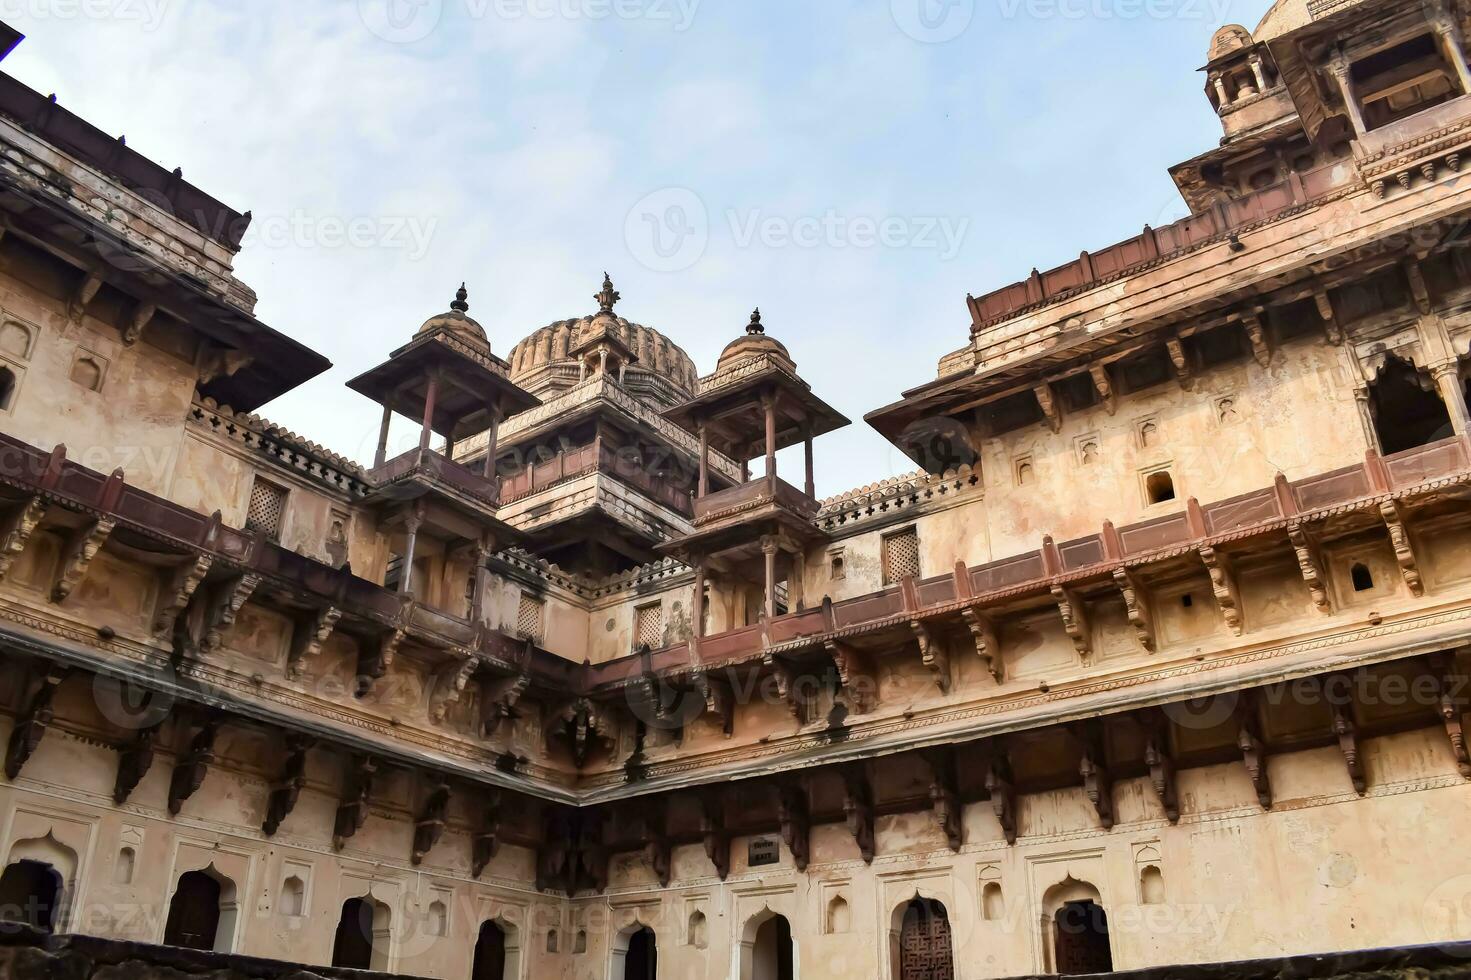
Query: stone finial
x=755, y=327
x=609, y=297
x=462, y=298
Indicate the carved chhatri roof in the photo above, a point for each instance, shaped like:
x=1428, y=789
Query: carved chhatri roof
x=457, y=320
x=753, y=343
x=1228, y=40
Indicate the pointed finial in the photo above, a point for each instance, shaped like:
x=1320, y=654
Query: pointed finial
x=755, y=327
x=461, y=303
x=609, y=297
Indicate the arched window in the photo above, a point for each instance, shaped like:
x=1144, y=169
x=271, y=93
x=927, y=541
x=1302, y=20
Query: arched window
x=1363, y=579
x=641, y=961
x=766, y=951
x=993, y=905
x=293, y=897
x=87, y=372
x=362, y=940
x=839, y=919
x=127, y=862
x=695, y=934
x=490, y=954
x=925, y=945
x=437, y=920
x=1407, y=408
x=554, y=941
x=7, y=388
x=198, y=916
x=1152, y=886
x=30, y=894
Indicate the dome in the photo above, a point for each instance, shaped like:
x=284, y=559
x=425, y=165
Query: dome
x=657, y=354
x=1231, y=38
x=1285, y=16
x=753, y=343
x=457, y=321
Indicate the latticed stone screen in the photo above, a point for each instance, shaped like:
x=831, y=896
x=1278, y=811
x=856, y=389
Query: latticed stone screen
x=649, y=627
x=267, y=507
x=531, y=617
x=901, y=555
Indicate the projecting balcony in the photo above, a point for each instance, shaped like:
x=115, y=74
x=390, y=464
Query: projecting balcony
x=758, y=497
x=421, y=472
x=597, y=458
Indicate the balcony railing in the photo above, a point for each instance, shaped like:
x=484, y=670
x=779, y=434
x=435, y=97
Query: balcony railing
x=758, y=491
x=429, y=466
x=597, y=458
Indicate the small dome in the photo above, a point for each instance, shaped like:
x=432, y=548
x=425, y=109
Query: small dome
x=753, y=343
x=1285, y=16
x=1232, y=37
x=657, y=354
x=457, y=320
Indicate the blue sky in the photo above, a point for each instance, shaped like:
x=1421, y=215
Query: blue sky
x=853, y=168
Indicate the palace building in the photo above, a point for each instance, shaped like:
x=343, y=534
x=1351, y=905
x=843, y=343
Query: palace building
x=1160, y=657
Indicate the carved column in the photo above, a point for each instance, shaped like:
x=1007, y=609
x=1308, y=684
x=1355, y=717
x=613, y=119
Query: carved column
x=492, y=444
x=768, y=402
x=768, y=550
x=1448, y=377
x=697, y=604
x=406, y=579
x=1450, y=38
x=382, y=455
x=704, y=490
x=811, y=484
x=430, y=397
x=1339, y=68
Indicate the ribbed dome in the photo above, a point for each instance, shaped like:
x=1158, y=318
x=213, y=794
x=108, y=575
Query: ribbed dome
x=753, y=343
x=657, y=354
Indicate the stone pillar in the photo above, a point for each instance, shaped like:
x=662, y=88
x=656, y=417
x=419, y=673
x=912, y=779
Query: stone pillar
x=382, y=455
x=429, y=398
x=492, y=442
x=1339, y=68
x=406, y=580
x=1261, y=76
x=769, y=403
x=1222, y=100
x=1450, y=40
x=811, y=484
x=1453, y=392
x=704, y=488
x=768, y=549
x=697, y=604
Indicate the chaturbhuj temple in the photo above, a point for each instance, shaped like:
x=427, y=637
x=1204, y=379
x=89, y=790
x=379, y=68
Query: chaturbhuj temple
x=1156, y=666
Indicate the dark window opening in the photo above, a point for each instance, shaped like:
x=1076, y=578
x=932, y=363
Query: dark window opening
x=30, y=892
x=353, y=947
x=1296, y=320
x=7, y=388
x=641, y=962
x=1144, y=370
x=1187, y=600
x=194, y=913
x=1160, y=486
x=490, y=954
x=1402, y=80
x=1012, y=412
x=1363, y=578
x=1219, y=346
x=1080, y=939
x=1408, y=411
x=1077, y=392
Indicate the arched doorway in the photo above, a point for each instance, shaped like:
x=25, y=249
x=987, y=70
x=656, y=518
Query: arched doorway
x=765, y=949
x=924, y=950
x=202, y=912
x=490, y=954
x=30, y=894
x=640, y=956
x=362, y=940
x=1075, y=929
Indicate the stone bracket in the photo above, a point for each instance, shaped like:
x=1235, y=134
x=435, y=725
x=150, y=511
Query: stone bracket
x=1347, y=734
x=486, y=841
x=1136, y=603
x=17, y=530
x=450, y=685
x=352, y=811
x=226, y=605
x=1404, y=551
x=1224, y=588
x=795, y=820
x=858, y=809
x=1451, y=704
x=856, y=675
x=81, y=548
x=945, y=794
x=1103, y=384
x=713, y=832
x=308, y=635
x=1161, y=762
x=1097, y=781
x=1074, y=614
x=133, y=763
x=1002, y=789
x=1047, y=401
x=375, y=659
x=429, y=825
x=1253, y=749
x=175, y=594
x=1310, y=562
x=288, y=786
x=32, y=726
x=193, y=766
